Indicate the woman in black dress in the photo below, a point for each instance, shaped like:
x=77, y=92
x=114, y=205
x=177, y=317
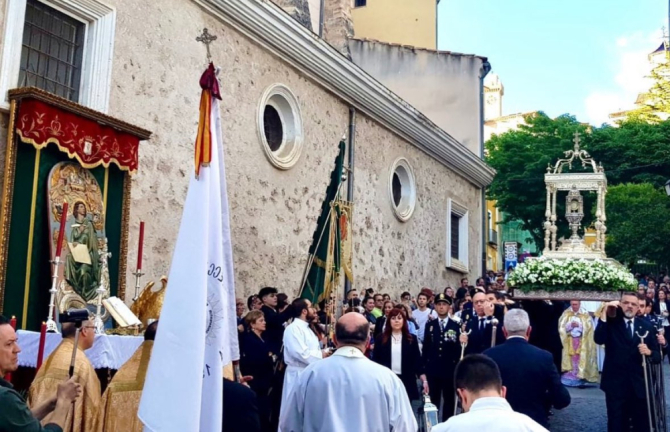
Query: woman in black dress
x=398, y=350
x=258, y=361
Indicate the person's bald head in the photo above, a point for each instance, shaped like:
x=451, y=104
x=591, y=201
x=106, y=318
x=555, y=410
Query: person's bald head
x=352, y=329
x=86, y=333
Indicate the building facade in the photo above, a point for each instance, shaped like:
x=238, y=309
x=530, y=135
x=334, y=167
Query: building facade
x=288, y=98
x=406, y=22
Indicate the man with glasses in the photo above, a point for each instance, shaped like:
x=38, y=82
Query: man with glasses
x=480, y=326
x=55, y=370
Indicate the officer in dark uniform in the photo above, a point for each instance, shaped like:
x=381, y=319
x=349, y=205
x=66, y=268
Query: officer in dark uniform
x=441, y=352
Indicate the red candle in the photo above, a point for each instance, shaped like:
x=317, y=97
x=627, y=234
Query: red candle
x=40, y=351
x=59, y=243
x=139, y=252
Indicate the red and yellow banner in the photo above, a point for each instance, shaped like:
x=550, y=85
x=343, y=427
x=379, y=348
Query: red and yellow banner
x=203, y=142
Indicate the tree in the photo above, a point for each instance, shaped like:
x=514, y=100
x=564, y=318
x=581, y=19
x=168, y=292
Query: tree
x=638, y=223
x=633, y=152
x=655, y=103
x=520, y=158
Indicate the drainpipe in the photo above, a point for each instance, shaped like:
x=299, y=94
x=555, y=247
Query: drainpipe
x=350, y=173
x=322, y=12
x=485, y=69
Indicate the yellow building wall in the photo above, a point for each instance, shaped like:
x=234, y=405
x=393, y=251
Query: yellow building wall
x=492, y=254
x=405, y=22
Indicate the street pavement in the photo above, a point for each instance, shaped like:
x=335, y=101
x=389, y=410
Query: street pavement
x=587, y=412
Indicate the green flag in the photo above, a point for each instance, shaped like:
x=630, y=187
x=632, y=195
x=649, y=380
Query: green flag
x=324, y=253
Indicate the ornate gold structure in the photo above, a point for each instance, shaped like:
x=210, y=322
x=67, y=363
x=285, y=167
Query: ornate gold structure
x=556, y=180
x=149, y=304
x=7, y=193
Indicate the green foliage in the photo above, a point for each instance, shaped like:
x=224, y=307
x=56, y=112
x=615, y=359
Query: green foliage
x=634, y=152
x=638, y=218
x=655, y=102
x=520, y=158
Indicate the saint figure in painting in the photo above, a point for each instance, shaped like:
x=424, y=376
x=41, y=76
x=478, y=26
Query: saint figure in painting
x=82, y=267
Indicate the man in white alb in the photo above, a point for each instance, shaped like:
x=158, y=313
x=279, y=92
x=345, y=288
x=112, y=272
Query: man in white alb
x=301, y=346
x=479, y=387
x=349, y=392
x=422, y=314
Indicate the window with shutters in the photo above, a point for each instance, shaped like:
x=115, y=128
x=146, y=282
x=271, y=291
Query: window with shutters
x=457, y=237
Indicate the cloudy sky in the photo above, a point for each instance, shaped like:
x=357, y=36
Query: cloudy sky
x=583, y=57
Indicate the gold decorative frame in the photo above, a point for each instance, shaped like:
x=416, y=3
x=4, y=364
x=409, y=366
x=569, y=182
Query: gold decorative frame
x=7, y=199
x=15, y=97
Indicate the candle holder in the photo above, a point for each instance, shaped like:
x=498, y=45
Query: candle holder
x=102, y=289
x=138, y=275
x=99, y=325
x=51, y=324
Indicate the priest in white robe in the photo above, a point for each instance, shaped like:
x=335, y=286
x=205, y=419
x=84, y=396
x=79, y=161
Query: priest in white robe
x=348, y=392
x=301, y=346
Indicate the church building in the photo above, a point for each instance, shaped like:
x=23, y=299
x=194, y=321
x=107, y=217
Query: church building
x=99, y=105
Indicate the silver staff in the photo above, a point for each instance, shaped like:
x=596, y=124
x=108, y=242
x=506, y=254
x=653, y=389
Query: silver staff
x=463, y=346
x=495, y=323
x=646, y=383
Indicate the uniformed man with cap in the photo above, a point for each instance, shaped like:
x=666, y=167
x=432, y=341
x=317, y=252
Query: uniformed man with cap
x=441, y=352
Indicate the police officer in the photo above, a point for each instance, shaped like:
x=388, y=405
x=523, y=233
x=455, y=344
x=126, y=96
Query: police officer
x=441, y=352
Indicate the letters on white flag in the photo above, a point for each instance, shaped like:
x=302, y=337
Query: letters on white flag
x=197, y=330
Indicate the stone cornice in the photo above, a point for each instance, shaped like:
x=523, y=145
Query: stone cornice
x=273, y=29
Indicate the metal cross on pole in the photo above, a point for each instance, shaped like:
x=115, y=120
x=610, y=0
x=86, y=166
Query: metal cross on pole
x=207, y=39
x=577, y=141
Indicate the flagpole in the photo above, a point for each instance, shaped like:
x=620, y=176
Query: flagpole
x=310, y=259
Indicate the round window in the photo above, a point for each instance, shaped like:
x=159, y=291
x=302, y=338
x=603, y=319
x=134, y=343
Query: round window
x=402, y=189
x=280, y=126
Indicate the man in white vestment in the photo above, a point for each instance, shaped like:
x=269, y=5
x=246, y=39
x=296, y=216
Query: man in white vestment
x=479, y=387
x=349, y=392
x=301, y=346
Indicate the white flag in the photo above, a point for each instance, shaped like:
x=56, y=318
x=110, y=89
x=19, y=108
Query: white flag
x=197, y=331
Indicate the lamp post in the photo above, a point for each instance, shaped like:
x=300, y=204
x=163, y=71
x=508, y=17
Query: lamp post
x=667, y=187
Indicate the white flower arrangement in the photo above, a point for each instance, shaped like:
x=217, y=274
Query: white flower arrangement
x=571, y=274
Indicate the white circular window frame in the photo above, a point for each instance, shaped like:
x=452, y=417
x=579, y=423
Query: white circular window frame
x=405, y=209
x=282, y=99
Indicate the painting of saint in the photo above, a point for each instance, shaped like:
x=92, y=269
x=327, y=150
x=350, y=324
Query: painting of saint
x=82, y=266
x=79, y=274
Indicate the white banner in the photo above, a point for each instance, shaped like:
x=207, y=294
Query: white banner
x=197, y=330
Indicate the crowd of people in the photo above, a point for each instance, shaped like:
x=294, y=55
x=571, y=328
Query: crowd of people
x=539, y=347
x=479, y=356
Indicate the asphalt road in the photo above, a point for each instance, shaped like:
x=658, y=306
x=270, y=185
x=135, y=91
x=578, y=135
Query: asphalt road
x=587, y=412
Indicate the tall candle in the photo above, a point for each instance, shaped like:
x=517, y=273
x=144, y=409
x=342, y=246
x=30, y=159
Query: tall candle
x=59, y=243
x=40, y=350
x=139, y=252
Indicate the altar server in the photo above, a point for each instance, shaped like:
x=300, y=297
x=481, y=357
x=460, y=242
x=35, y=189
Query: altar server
x=301, y=345
x=55, y=370
x=121, y=400
x=349, y=392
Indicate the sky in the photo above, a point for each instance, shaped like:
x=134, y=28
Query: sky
x=587, y=58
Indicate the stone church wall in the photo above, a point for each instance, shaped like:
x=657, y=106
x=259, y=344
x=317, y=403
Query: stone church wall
x=155, y=74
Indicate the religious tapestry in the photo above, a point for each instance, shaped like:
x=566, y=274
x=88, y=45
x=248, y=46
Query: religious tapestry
x=84, y=236
x=59, y=151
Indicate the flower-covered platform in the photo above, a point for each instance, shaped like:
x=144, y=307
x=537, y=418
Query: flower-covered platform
x=570, y=279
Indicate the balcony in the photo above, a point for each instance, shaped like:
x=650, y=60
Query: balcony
x=493, y=237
